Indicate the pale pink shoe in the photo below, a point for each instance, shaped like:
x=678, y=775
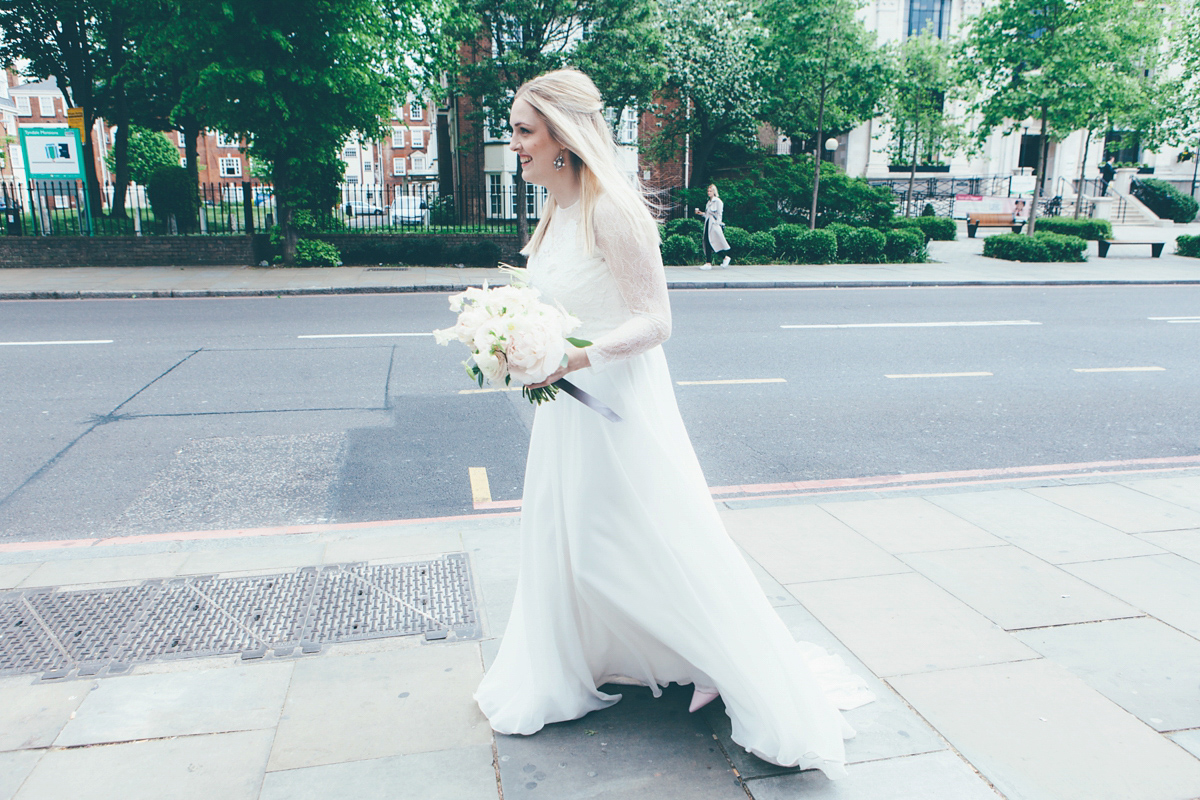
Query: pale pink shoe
x=701, y=698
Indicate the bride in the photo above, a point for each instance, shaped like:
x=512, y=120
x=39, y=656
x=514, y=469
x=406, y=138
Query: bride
x=627, y=573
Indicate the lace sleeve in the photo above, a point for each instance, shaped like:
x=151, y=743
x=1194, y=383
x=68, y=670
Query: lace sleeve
x=638, y=270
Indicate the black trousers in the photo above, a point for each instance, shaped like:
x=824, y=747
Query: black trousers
x=708, y=251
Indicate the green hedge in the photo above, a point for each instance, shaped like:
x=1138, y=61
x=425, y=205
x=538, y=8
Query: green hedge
x=906, y=247
x=1084, y=228
x=938, y=229
x=1041, y=247
x=315, y=253
x=1187, y=246
x=1165, y=200
x=172, y=191
x=863, y=246
x=796, y=244
x=750, y=248
x=688, y=226
x=680, y=250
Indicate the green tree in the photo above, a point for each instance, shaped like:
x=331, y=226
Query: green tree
x=59, y=39
x=714, y=78
x=1180, y=91
x=923, y=85
x=296, y=78
x=828, y=75
x=504, y=43
x=1040, y=59
x=146, y=151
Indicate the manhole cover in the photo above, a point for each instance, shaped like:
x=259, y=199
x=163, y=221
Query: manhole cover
x=104, y=631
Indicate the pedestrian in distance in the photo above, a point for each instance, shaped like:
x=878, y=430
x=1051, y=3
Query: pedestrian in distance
x=714, y=229
x=1107, y=173
x=627, y=574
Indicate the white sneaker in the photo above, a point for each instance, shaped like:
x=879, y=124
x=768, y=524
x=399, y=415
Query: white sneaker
x=725, y=263
x=706, y=266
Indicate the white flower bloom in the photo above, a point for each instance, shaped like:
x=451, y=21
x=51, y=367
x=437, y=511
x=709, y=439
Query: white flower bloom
x=535, y=348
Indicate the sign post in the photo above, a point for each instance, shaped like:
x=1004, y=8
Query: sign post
x=54, y=154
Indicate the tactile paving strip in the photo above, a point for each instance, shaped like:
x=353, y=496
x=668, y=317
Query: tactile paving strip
x=104, y=631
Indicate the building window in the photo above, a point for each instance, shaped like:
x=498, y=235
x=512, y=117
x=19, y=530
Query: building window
x=398, y=166
x=419, y=163
x=418, y=140
x=351, y=179
x=929, y=15
x=629, y=127
x=350, y=152
x=366, y=166
x=46, y=106
x=231, y=168
x=416, y=111
x=397, y=136
x=181, y=138
x=23, y=109
x=1031, y=150
x=495, y=196
x=225, y=141
x=183, y=161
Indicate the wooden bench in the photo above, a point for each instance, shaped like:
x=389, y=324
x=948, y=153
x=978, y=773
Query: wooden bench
x=1156, y=248
x=977, y=221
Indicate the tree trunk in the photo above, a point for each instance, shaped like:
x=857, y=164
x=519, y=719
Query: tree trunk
x=522, y=219
x=121, y=177
x=912, y=175
x=191, y=151
x=1195, y=167
x=1087, y=143
x=812, y=214
x=1043, y=154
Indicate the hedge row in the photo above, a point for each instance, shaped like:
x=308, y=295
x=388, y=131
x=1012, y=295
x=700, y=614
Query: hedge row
x=796, y=244
x=1042, y=246
x=1084, y=228
x=1187, y=246
x=936, y=229
x=1165, y=200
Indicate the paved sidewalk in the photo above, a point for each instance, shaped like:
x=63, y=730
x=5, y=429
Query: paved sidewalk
x=954, y=263
x=1037, y=641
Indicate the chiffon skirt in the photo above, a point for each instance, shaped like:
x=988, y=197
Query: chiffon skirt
x=628, y=576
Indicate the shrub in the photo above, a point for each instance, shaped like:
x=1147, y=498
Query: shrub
x=905, y=246
x=680, y=250
x=315, y=253
x=739, y=240
x=688, y=226
x=762, y=248
x=798, y=245
x=1165, y=200
x=172, y=191
x=1187, y=246
x=473, y=254
x=937, y=229
x=441, y=210
x=1062, y=247
x=841, y=230
x=1084, y=228
x=863, y=246
x=928, y=211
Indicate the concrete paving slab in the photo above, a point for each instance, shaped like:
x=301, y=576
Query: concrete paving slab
x=1037, y=732
x=113, y=569
x=1121, y=507
x=1148, y=668
x=392, y=543
x=11, y=575
x=227, y=765
x=930, y=776
x=1049, y=531
x=805, y=543
x=412, y=699
x=1016, y=590
x=33, y=714
x=128, y=708
x=15, y=768
x=897, y=624
x=910, y=525
x=1167, y=586
x=1188, y=740
x=495, y=556
x=641, y=748
x=465, y=772
x=772, y=588
x=246, y=559
x=1182, y=491
x=1182, y=543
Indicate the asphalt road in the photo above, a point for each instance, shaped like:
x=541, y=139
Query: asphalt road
x=198, y=414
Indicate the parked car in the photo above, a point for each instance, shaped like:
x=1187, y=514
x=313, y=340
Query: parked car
x=357, y=208
x=408, y=209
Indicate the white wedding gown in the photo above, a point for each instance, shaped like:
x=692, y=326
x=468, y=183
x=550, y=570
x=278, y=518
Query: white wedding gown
x=627, y=573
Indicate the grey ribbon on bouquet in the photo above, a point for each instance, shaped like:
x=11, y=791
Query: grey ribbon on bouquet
x=587, y=400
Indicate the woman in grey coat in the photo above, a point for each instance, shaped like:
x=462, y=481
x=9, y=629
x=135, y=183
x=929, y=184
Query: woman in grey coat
x=714, y=229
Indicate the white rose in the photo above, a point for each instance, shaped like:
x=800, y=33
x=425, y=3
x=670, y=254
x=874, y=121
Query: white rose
x=469, y=321
x=535, y=348
x=491, y=365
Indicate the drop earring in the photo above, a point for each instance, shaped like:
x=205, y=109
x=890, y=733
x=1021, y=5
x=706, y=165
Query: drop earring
x=559, y=162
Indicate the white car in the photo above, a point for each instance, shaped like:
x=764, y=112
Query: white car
x=358, y=209
x=408, y=209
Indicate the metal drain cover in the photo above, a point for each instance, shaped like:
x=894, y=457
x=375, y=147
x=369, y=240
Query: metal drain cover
x=95, y=631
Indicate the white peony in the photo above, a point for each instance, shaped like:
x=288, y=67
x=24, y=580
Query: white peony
x=535, y=347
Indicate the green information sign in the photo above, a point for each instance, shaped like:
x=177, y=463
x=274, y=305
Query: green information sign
x=53, y=154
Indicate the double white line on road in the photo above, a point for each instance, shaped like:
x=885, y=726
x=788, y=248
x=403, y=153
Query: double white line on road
x=1175, y=320
x=78, y=341
x=968, y=324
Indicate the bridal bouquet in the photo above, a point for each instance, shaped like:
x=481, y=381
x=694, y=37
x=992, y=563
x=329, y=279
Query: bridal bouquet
x=514, y=336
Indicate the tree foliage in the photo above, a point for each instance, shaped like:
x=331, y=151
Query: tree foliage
x=147, y=151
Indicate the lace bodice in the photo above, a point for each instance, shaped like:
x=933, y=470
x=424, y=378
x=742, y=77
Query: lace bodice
x=619, y=292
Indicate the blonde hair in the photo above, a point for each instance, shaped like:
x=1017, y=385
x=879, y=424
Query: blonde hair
x=573, y=110
x=716, y=191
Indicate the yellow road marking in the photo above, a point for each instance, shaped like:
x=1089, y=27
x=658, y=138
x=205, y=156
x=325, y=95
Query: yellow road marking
x=480, y=491
x=719, y=383
x=1123, y=369
x=944, y=375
